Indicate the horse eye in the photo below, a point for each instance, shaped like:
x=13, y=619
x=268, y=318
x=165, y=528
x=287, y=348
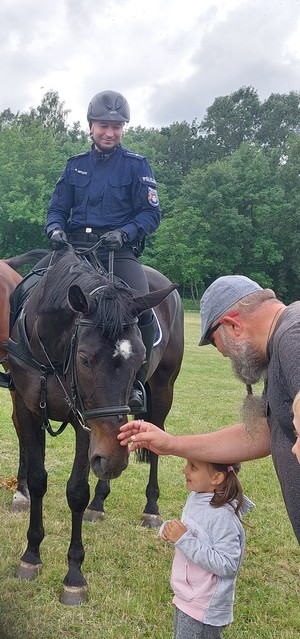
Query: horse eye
x=84, y=360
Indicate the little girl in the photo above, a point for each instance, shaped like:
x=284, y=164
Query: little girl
x=209, y=544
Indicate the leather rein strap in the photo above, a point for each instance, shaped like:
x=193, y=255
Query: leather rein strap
x=76, y=403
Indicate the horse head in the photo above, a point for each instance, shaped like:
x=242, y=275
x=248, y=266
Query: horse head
x=109, y=352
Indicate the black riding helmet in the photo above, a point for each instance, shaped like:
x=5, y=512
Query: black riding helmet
x=108, y=106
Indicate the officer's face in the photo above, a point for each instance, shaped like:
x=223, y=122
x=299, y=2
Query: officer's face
x=106, y=135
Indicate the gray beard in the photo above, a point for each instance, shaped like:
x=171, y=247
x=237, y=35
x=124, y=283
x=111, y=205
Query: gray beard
x=249, y=366
x=248, y=363
x=253, y=413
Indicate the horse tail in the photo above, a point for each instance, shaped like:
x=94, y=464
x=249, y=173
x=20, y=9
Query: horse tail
x=31, y=256
x=142, y=455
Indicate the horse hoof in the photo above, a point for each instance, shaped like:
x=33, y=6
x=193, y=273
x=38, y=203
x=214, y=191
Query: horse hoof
x=72, y=596
x=28, y=572
x=20, y=503
x=151, y=521
x=93, y=515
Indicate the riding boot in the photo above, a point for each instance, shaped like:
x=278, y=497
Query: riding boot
x=137, y=399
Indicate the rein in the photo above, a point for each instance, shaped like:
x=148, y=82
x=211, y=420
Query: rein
x=75, y=403
x=106, y=411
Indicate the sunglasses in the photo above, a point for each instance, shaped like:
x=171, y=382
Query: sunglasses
x=214, y=328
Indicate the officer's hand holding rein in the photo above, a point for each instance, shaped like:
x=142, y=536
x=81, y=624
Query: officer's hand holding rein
x=58, y=239
x=114, y=240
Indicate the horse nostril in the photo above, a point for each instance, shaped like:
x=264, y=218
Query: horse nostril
x=99, y=465
x=104, y=468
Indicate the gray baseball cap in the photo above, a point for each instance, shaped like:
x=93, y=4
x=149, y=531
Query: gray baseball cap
x=220, y=296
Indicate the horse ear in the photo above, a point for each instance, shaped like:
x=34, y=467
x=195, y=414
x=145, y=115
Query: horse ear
x=150, y=300
x=77, y=299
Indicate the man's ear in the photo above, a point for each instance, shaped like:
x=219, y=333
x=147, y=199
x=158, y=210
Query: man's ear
x=235, y=324
x=218, y=478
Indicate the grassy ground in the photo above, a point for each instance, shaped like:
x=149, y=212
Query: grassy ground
x=128, y=567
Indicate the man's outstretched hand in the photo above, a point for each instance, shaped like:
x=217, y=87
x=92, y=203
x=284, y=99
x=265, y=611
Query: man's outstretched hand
x=142, y=434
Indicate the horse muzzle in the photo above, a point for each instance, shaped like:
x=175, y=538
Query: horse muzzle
x=106, y=468
x=107, y=457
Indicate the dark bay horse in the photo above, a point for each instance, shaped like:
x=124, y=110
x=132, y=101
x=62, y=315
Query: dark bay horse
x=73, y=354
x=9, y=279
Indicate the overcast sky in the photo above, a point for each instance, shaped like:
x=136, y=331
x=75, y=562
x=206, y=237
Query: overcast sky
x=170, y=58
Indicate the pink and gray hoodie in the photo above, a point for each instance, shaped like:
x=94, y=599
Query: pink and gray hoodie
x=207, y=559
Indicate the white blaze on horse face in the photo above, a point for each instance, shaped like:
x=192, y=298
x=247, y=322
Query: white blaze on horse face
x=123, y=348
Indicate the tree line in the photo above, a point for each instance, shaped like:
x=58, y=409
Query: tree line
x=229, y=187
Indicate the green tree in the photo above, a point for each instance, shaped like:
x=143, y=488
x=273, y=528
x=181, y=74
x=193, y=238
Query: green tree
x=230, y=120
x=288, y=223
x=279, y=117
x=224, y=222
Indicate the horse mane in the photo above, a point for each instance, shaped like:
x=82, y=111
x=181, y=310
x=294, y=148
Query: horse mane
x=112, y=310
x=110, y=301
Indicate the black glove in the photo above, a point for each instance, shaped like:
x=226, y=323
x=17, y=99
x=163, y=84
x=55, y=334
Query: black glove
x=114, y=240
x=58, y=239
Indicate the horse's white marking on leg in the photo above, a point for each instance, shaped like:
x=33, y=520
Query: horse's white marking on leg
x=18, y=496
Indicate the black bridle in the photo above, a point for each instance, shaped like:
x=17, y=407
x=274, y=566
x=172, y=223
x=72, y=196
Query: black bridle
x=93, y=413
x=75, y=403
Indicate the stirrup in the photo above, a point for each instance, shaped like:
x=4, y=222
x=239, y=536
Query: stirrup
x=6, y=381
x=138, y=398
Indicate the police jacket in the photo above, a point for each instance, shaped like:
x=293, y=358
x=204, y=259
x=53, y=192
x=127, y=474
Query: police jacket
x=104, y=192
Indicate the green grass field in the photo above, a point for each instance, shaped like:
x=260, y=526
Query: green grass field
x=128, y=567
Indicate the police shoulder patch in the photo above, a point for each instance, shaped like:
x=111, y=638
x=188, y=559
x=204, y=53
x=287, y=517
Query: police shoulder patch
x=130, y=154
x=153, y=197
x=149, y=179
x=78, y=155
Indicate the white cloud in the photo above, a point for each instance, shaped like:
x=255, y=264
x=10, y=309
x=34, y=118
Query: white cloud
x=171, y=60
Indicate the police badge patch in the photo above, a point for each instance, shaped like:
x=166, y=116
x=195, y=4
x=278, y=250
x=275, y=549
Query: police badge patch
x=153, y=197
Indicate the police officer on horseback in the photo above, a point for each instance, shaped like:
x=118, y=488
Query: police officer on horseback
x=110, y=193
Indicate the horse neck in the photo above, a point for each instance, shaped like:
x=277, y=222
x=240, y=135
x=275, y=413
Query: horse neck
x=54, y=330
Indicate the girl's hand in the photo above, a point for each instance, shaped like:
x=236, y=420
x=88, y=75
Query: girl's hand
x=173, y=530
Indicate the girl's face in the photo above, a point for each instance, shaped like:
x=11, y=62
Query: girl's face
x=201, y=476
x=296, y=447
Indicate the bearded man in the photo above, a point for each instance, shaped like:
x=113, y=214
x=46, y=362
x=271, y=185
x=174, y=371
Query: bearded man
x=261, y=336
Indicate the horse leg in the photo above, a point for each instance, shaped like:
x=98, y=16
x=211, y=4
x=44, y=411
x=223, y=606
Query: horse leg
x=74, y=584
x=95, y=510
x=151, y=516
x=159, y=403
x=30, y=563
x=21, y=499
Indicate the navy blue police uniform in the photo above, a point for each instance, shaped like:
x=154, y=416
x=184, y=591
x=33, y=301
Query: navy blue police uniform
x=100, y=192
x=104, y=191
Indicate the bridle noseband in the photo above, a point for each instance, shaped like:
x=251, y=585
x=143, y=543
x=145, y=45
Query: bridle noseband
x=93, y=413
x=75, y=402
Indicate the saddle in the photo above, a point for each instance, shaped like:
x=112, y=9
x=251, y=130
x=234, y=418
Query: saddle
x=17, y=300
x=20, y=295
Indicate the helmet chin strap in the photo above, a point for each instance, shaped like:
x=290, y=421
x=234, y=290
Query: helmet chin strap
x=104, y=151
